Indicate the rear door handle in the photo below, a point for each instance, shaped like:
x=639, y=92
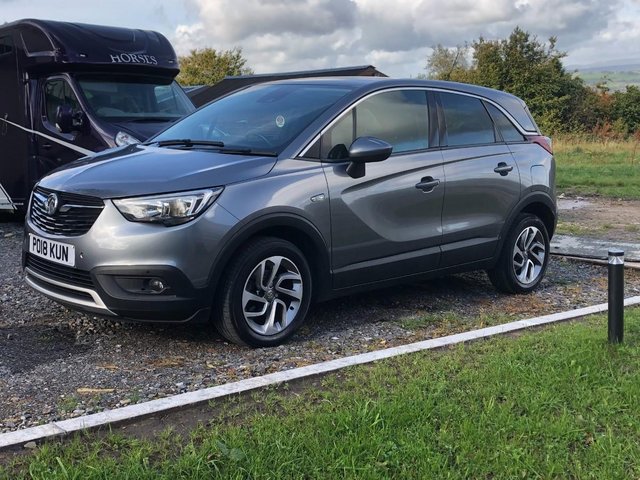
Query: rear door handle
x=427, y=184
x=503, y=169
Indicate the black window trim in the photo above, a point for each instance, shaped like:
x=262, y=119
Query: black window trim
x=440, y=116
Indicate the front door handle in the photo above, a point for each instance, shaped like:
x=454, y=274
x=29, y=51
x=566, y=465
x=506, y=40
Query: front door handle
x=46, y=146
x=503, y=169
x=427, y=184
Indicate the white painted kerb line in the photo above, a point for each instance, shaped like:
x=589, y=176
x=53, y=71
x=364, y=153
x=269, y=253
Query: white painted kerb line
x=131, y=412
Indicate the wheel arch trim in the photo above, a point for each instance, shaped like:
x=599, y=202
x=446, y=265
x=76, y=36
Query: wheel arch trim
x=267, y=222
x=529, y=203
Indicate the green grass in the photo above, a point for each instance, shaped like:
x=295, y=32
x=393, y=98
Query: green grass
x=569, y=228
x=610, y=168
x=556, y=403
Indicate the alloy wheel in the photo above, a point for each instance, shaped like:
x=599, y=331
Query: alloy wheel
x=529, y=253
x=272, y=295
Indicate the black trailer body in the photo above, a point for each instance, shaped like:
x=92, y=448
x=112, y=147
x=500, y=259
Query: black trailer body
x=69, y=90
x=203, y=94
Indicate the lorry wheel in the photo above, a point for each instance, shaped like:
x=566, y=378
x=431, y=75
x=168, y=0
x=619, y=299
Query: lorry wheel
x=265, y=294
x=524, y=256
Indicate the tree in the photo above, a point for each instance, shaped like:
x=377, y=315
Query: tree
x=522, y=65
x=533, y=71
x=443, y=63
x=626, y=108
x=208, y=66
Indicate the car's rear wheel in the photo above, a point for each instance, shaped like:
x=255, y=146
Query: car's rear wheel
x=266, y=293
x=524, y=257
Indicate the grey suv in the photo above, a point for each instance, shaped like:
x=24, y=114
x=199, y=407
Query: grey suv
x=296, y=191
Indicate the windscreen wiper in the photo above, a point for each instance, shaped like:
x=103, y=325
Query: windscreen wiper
x=152, y=119
x=186, y=142
x=247, y=151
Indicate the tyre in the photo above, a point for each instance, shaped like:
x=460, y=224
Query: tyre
x=265, y=294
x=524, y=256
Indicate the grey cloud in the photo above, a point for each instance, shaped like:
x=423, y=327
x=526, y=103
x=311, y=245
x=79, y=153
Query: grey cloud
x=233, y=20
x=465, y=20
x=298, y=34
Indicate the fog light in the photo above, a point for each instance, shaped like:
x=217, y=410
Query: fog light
x=156, y=285
x=142, y=285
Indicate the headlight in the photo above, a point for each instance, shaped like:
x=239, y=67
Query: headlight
x=169, y=209
x=123, y=138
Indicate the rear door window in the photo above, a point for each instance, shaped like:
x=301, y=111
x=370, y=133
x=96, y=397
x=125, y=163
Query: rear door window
x=467, y=121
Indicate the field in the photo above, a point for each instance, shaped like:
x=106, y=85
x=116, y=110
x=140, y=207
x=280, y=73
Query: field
x=556, y=403
x=615, y=80
x=608, y=168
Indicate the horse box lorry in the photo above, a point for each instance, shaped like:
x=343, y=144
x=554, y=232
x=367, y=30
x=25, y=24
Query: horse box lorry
x=70, y=89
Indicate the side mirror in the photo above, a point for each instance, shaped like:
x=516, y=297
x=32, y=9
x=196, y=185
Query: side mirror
x=68, y=121
x=64, y=119
x=365, y=150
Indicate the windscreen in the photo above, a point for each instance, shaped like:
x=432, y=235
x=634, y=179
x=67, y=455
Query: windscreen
x=265, y=117
x=125, y=99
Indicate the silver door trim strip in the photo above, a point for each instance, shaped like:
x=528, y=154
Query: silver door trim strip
x=78, y=149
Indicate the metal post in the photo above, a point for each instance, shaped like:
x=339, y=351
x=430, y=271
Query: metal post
x=616, y=295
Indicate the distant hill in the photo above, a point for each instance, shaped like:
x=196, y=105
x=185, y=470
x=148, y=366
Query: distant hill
x=616, y=77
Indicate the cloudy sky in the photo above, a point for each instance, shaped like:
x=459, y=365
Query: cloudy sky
x=393, y=35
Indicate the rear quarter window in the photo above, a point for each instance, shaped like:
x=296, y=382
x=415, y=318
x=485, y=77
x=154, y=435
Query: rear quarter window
x=507, y=129
x=467, y=121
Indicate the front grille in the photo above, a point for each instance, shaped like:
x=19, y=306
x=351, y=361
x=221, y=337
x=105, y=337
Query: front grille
x=76, y=214
x=62, y=273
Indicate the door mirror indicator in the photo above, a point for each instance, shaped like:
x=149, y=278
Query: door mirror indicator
x=365, y=150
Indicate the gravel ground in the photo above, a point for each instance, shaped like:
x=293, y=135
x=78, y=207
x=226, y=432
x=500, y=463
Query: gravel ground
x=56, y=363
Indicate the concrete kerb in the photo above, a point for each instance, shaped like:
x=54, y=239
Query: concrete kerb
x=138, y=411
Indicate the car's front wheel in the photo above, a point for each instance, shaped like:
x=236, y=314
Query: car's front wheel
x=524, y=257
x=266, y=293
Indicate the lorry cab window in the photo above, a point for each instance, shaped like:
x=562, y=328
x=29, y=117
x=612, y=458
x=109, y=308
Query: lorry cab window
x=6, y=45
x=58, y=92
x=35, y=40
x=135, y=99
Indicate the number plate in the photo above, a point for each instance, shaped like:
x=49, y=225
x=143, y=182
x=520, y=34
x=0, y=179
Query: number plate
x=57, y=252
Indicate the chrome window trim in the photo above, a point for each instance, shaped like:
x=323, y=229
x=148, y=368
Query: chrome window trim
x=303, y=151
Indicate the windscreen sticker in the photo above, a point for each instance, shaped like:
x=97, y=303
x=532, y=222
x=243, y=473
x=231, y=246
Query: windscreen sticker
x=280, y=121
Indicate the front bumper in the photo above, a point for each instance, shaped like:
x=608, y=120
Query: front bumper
x=179, y=303
x=116, y=259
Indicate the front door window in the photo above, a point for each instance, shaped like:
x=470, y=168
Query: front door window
x=58, y=92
